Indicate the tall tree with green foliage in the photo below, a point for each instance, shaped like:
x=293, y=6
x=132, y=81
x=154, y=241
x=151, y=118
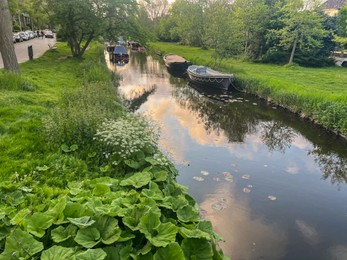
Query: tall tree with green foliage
x=303, y=27
x=188, y=16
x=341, y=32
x=83, y=20
x=221, y=34
x=251, y=18
x=6, y=39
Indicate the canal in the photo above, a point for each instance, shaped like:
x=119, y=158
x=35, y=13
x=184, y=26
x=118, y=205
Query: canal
x=272, y=184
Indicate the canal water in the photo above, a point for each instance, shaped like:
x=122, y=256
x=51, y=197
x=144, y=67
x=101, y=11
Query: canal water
x=273, y=185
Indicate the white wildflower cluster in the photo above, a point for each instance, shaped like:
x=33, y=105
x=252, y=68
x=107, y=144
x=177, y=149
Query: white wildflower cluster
x=126, y=136
x=161, y=159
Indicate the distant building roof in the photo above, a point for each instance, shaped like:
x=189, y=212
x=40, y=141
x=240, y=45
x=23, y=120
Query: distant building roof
x=332, y=7
x=334, y=4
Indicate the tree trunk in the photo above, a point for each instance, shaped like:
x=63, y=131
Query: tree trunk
x=6, y=39
x=294, y=49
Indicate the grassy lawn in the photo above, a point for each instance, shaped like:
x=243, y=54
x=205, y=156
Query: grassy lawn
x=25, y=100
x=320, y=93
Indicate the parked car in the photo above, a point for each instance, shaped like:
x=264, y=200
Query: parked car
x=18, y=37
x=30, y=34
x=49, y=34
x=14, y=38
x=24, y=36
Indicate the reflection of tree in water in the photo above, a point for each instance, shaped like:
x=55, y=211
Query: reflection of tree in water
x=139, y=58
x=276, y=135
x=333, y=165
x=138, y=98
x=216, y=114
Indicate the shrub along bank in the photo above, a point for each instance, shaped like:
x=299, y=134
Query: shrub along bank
x=81, y=177
x=316, y=93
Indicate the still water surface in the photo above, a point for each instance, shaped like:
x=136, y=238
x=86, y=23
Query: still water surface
x=273, y=185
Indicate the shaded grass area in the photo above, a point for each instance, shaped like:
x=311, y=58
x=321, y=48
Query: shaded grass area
x=318, y=93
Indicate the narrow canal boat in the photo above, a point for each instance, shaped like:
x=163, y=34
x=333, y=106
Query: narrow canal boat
x=175, y=62
x=120, y=54
x=209, y=77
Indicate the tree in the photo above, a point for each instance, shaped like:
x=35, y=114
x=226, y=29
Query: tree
x=303, y=27
x=251, y=18
x=226, y=40
x=83, y=20
x=341, y=24
x=6, y=40
x=189, y=19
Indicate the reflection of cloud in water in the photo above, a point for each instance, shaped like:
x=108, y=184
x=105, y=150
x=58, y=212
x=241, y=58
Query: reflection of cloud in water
x=246, y=237
x=308, y=232
x=301, y=142
x=338, y=252
x=292, y=169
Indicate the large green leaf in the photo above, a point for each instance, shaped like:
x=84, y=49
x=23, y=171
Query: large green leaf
x=108, y=228
x=75, y=187
x=58, y=253
x=118, y=253
x=153, y=192
x=4, y=231
x=174, y=203
x=92, y=254
x=21, y=245
x=132, y=164
x=125, y=236
x=188, y=214
x=101, y=189
x=109, y=210
x=76, y=210
x=38, y=223
x=137, y=180
x=172, y=251
x=61, y=234
x=160, y=176
x=149, y=222
x=88, y=237
x=193, y=233
x=82, y=222
x=133, y=216
x=164, y=235
x=130, y=199
x=20, y=216
x=194, y=248
x=56, y=210
x=157, y=233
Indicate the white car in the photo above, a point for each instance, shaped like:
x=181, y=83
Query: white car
x=24, y=36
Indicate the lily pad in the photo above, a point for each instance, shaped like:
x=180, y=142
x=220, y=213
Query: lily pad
x=197, y=178
x=246, y=190
x=205, y=173
x=271, y=197
x=246, y=176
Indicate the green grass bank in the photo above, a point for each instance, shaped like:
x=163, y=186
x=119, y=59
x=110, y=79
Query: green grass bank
x=83, y=178
x=319, y=94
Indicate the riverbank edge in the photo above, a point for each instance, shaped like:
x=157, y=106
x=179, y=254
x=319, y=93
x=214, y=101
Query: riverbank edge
x=259, y=88
x=20, y=221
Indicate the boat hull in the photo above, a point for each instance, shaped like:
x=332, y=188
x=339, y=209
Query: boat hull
x=214, y=80
x=177, y=63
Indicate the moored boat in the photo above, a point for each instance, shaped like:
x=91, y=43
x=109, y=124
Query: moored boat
x=209, y=77
x=120, y=54
x=175, y=62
